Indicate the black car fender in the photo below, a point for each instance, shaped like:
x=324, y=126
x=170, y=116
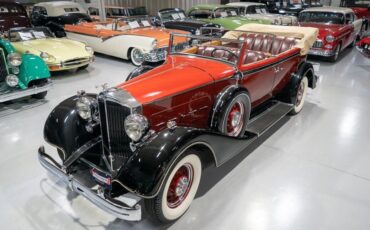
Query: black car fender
x=222, y=101
x=64, y=128
x=145, y=171
x=304, y=69
x=138, y=71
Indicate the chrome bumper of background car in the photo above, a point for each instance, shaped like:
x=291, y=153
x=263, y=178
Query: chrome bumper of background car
x=156, y=55
x=19, y=93
x=125, y=207
x=319, y=52
x=74, y=63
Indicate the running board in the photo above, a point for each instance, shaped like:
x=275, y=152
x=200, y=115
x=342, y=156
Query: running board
x=262, y=122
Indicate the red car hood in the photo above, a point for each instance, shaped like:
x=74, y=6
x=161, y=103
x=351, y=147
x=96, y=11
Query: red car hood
x=178, y=74
x=325, y=29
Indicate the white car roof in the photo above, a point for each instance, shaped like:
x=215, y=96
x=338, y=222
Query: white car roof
x=245, y=4
x=333, y=9
x=57, y=8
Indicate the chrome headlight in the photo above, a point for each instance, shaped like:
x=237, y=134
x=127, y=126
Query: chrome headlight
x=89, y=50
x=14, y=59
x=155, y=43
x=85, y=107
x=135, y=126
x=329, y=38
x=44, y=55
x=12, y=80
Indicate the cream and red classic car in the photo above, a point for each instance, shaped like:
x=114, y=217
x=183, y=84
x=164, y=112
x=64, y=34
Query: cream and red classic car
x=150, y=138
x=131, y=39
x=259, y=11
x=338, y=29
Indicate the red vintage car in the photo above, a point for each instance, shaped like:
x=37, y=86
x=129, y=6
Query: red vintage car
x=364, y=46
x=338, y=29
x=150, y=137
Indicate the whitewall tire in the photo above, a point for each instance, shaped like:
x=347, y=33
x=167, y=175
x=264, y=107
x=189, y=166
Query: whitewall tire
x=136, y=56
x=300, y=96
x=178, y=190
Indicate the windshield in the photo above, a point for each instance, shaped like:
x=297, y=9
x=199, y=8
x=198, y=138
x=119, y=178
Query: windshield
x=225, y=50
x=257, y=9
x=226, y=12
x=26, y=34
x=172, y=15
x=355, y=3
x=322, y=17
x=127, y=24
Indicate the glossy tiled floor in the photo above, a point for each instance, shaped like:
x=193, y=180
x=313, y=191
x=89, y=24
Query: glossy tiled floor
x=311, y=173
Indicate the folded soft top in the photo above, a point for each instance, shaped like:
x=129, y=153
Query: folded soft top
x=306, y=36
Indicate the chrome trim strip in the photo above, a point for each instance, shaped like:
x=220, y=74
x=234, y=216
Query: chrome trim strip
x=23, y=93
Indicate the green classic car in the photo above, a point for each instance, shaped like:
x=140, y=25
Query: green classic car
x=226, y=16
x=21, y=75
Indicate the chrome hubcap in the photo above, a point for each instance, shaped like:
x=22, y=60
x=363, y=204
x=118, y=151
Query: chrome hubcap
x=235, y=119
x=300, y=94
x=137, y=56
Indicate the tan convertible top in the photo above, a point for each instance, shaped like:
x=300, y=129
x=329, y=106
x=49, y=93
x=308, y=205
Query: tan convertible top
x=305, y=36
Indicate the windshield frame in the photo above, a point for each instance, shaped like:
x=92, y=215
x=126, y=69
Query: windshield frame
x=132, y=19
x=171, y=12
x=322, y=12
x=223, y=9
x=28, y=29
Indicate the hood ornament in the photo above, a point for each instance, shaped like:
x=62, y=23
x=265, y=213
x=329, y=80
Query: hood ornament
x=104, y=87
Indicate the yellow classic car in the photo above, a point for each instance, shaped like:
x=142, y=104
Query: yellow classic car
x=58, y=53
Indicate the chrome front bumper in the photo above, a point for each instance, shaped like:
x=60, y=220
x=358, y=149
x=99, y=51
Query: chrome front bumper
x=125, y=207
x=320, y=52
x=156, y=55
x=19, y=93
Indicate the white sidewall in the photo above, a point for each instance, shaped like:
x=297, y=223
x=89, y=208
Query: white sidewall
x=298, y=108
x=174, y=213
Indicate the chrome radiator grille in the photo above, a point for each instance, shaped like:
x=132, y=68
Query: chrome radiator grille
x=3, y=66
x=116, y=144
x=317, y=44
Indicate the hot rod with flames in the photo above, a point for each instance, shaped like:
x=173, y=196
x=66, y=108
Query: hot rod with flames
x=147, y=140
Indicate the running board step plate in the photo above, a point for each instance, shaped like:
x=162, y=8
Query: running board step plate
x=268, y=118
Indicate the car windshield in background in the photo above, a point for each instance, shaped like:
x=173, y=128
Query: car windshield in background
x=226, y=12
x=322, y=17
x=355, y=3
x=11, y=10
x=124, y=24
x=28, y=34
x=225, y=50
x=172, y=15
x=257, y=10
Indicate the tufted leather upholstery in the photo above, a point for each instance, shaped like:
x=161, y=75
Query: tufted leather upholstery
x=251, y=56
x=268, y=43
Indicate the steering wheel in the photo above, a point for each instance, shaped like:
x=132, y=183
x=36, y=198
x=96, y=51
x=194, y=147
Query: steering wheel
x=224, y=49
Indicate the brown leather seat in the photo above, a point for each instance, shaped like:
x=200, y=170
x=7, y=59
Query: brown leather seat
x=268, y=43
x=250, y=56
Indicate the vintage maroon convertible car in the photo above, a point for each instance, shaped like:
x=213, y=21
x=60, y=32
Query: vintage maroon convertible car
x=338, y=28
x=150, y=137
x=364, y=46
x=12, y=14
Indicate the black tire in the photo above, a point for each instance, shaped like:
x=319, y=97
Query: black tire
x=238, y=108
x=40, y=96
x=83, y=67
x=334, y=58
x=300, y=96
x=167, y=206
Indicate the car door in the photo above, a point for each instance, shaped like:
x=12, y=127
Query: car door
x=258, y=78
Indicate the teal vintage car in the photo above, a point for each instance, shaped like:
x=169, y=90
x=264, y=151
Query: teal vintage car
x=226, y=16
x=21, y=75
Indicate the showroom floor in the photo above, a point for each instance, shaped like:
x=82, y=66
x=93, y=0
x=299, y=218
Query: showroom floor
x=310, y=173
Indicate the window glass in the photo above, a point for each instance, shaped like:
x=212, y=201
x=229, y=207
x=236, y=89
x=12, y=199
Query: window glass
x=200, y=13
x=321, y=17
x=71, y=9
